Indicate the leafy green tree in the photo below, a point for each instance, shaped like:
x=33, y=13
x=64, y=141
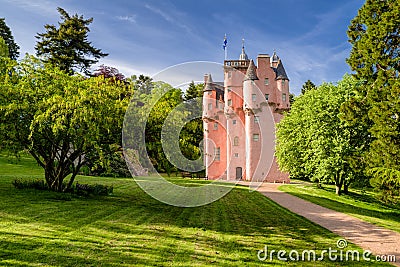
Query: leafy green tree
x=67, y=46
x=6, y=34
x=58, y=118
x=375, y=38
x=308, y=85
x=3, y=48
x=313, y=142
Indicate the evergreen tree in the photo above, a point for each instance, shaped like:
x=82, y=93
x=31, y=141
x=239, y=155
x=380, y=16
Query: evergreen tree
x=308, y=85
x=375, y=37
x=3, y=48
x=6, y=34
x=67, y=46
x=194, y=91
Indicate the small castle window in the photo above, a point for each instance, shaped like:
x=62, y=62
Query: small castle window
x=253, y=97
x=236, y=155
x=229, y=102
x=234, y=122
x=266, y=97
x=256, y=137
x=256, y=119
x=266, y=81
x=209, y=106
x=229, y=74
x=209, y=92
x=215, y=126
x=283, y=82
x=217, y=153
x=236, y=141
x=283, y=97
x=229, y=89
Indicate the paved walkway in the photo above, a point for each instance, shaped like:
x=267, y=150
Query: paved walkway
x=379, y=240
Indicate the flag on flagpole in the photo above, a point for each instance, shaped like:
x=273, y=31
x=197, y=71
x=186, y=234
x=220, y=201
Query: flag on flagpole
x=225, y=42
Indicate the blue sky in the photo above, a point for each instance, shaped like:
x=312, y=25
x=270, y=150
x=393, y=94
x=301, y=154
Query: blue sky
x=148, y=36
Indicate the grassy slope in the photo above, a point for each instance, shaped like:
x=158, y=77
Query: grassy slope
x=132, y=229
x=360, y=204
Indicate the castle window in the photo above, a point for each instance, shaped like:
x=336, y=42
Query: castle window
x=283, y=97
x=233, y=121
x=256, y=119
x=283, y=82
x=217, y=153
x=266, y=81
x=209, y=92
x=229, y=102
x=253, y=97
x=256, y=137
x=266, y=97
x=229, y=89
x=236, y=141
x=229, y=75
x=209, y=106
x=215, y=126
x=236, y=155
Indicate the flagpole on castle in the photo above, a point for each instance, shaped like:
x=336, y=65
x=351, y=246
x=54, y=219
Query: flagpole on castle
x=225, y=46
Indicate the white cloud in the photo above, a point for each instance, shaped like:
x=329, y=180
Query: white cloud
x=40, y=6
x=130, y=18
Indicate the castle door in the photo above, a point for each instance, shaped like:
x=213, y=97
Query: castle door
x=239, y=175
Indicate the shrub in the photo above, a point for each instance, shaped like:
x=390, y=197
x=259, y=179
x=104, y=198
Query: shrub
x=78, y=189
x=30, y=184
x=96, y=189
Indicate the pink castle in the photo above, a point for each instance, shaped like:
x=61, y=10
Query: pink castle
x=239, y=117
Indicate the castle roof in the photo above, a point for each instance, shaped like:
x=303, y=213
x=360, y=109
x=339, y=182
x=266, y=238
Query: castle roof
x=251, y=72
x=243, y=55
x=209, y=83
x=280, y=71
x=274, y=57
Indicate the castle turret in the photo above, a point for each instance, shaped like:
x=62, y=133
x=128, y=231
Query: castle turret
x=252, y=106
x=214, y=129
x=243, y=55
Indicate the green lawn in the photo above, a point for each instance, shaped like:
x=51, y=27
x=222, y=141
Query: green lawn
x=130, y=228
x=358, y=203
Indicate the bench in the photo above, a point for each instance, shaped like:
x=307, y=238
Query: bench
x=186, y=174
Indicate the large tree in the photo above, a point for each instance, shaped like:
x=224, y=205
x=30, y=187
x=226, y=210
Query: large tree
x=67, y=46
x=375, y=37
x=58, y=118
x=3, y=48
x=6, y=34
x=313, y=142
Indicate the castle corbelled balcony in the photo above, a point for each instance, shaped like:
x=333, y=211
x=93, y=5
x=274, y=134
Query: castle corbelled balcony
x=237, y=63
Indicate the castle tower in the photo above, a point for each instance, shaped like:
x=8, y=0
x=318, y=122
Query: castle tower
x=254, y=99
x=214, y=129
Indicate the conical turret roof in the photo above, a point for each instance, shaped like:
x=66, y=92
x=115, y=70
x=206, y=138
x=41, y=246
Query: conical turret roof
x=251, y=73
x=209, y=82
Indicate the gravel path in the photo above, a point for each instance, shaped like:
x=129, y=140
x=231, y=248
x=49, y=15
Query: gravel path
x=379, y=240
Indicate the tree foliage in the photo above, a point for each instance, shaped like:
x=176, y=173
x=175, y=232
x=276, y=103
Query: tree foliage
x=58, y=118
x=3, y=48
x=6, y=34
x=375, y=37
x=313, y=142
x=308, y=85
x=67, y=46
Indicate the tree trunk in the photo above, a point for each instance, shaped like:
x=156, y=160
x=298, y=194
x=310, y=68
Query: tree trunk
x=338, y=190
x=345, y=188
